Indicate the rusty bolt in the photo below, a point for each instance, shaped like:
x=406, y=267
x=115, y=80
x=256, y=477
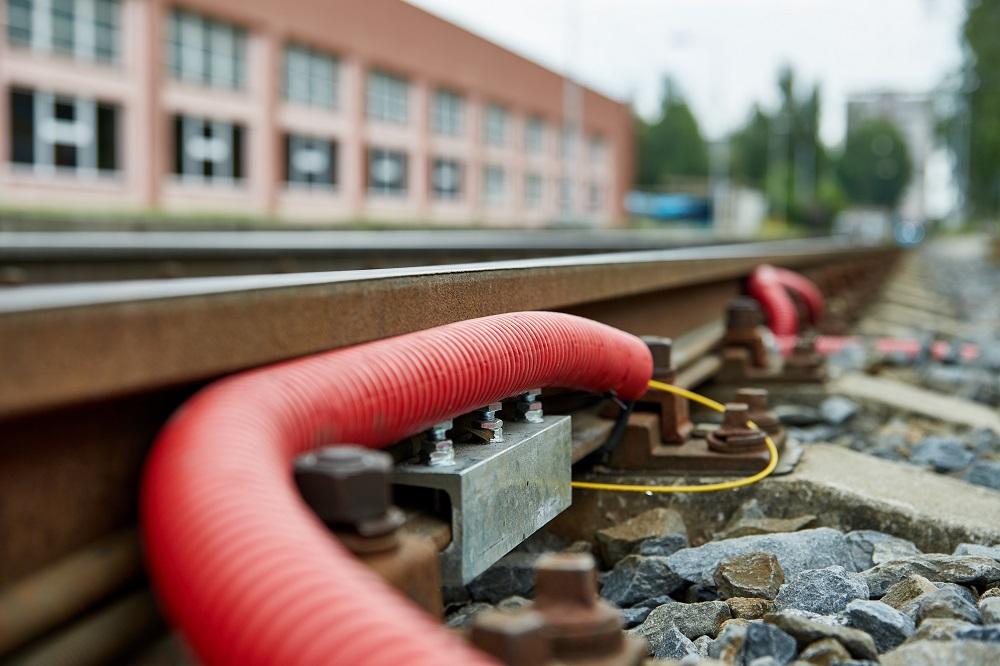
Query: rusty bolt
x=662, y=351
x=743, y=313
x=512, y=638
x=578, y=624
x=348, y=487
x=804, y=357
x=756, y=401
x=562, y=578
x=734, y=435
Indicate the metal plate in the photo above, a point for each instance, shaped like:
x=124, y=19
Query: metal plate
x=500, y=493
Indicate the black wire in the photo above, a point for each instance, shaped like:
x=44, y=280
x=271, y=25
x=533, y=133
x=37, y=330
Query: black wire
x=603, y=452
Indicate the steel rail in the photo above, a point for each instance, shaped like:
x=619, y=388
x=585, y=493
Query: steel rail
x=72, y=343
x=32, y=257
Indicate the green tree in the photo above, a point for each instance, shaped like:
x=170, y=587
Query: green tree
x=782, y=153
x=672, y=145
x=875, y=166
x=980, y=108
x=750, y=148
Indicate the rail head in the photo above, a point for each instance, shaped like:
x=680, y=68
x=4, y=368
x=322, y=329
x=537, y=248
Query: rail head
x=68, y=344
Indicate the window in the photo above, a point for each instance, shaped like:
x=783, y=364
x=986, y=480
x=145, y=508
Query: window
x=205, y=51
x=84, y=29
x=534, y=136
x=68, y=133
x=532, y=190
x=595, y=198
x=387, y=98
x=493, y=184
x=598, y=150
x=567, y=143
x=495, y=130
x=566, y=196
x=386, y=172
x=447, y=114
x=310, y=163
x=207, y=150
x=310, y=77
x=446, y=179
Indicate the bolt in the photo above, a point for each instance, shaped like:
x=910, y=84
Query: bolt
x=513, y=638
x=436, y=450
x=804, y=354
x=734, y=435
x=743, y=313
x=483, y=424
x=661, y=349
x=578, y=623
x=348, y=487
x=565, y=578
x=756, y=401
x=528, y=407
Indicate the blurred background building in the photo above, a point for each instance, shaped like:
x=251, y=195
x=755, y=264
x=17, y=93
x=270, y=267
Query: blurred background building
x=301, y=109
x=914, y=116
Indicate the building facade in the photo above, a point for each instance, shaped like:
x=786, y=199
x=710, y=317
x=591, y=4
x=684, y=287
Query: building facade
x=302, y=109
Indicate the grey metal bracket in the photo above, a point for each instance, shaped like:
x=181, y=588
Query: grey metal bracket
x=500, y=493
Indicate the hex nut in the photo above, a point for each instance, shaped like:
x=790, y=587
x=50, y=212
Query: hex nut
x=513, y=638
x=565, y=578
x=345, y=485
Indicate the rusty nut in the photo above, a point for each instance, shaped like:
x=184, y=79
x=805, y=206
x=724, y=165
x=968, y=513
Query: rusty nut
x=347, y=486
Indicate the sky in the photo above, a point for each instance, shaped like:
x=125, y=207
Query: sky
x=725, y=54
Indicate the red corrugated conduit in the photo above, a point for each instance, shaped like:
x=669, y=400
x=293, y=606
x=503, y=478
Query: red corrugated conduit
x=246, y=571
x=805, y=289
x=770, y=285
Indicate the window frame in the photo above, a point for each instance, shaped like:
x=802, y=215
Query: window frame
x=89, y=135
x=496, y=122
x=447, y=113
x=316, y=88
x=494, y=197
x=187, y=127
x=84, y=30
x=400, y=192
x=534, y=135
x=459, y=191
x=297, y=179
x=387, y=97
x=534, y=202
x=195, y=42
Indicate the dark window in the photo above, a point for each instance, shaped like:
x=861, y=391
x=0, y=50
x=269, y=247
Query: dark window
x=207, y=150
x=446, y=179
x=69, y=133
x=310, y=162
x=387, y=171
x=22, y=126
x=107, y=137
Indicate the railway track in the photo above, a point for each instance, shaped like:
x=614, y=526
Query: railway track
x=93, y=371
x=33, y=257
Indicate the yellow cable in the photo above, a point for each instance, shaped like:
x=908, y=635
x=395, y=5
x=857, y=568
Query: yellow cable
x=705, y=488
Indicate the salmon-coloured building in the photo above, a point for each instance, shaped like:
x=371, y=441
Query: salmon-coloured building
x=327, y=110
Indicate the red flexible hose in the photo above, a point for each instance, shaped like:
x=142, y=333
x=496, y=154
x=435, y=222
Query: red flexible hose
x=779, y=309
x=806, y=289
x=769, y=285
x=241, y=565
